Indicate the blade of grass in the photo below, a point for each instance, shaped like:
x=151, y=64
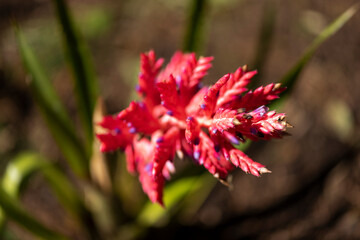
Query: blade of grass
x=52, y=109
x=86, y=86
x=194, y=28
x=13, y=210
x=291, y=76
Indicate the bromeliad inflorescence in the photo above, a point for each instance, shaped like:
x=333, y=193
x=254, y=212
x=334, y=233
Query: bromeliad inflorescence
x=177, y=115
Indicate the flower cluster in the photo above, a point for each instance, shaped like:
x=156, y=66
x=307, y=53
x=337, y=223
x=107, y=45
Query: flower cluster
x=178, y=116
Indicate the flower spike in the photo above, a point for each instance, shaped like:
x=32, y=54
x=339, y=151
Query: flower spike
x=178, y=116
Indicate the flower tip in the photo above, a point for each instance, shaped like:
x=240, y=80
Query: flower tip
x=288, y=125
x=277, y=86
x=102, y=148
x=196, y=155
x=227, y=76
x=236, y=122
x=132, y=130
x=264, y=170
x=226, y=183
x=180, y=154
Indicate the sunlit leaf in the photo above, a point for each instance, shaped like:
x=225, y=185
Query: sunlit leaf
x=52, y=109
x=173, y=193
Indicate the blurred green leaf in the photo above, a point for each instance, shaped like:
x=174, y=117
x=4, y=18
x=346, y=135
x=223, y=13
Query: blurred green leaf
x=24, y=165
x=153, y=213
x=290, y=78
x=94, y=21
x=195, y=23
x=86, y=86
x=52, y=109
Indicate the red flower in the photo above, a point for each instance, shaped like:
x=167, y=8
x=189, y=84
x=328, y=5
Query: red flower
x=180, y=116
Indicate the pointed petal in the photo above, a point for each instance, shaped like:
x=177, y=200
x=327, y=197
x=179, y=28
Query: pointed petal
x=139, y=118
x=223, y=119
x=234, y=87
x=192, y=131
x=210, y=98
x=240, y=159
x=170, y=97
x=149, y=69
x=261, y=96
x=164, y=151
x=260, y=124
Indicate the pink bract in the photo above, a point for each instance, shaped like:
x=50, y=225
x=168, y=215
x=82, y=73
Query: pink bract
x=177, y=115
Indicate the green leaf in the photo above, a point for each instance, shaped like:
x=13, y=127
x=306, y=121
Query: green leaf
x=20, y=170
x=173, y=194
x=290, y=78
x=25, y=165
x=86, y=86
x=14, y=178
x=194, y=28
x=52, y=109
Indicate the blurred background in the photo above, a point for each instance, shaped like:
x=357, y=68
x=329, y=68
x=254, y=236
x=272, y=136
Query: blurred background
x=313, y=191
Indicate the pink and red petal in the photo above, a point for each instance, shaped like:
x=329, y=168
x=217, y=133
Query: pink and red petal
x=210, y=98
x=234, y=87
x=223, y=119
x=192, y=131
x=111, y=142
x=149, y=69
x=240, y=159
x=164, y=150
x=261, y=96
x=139, y=118
x=261, y=124
x=170, y=98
